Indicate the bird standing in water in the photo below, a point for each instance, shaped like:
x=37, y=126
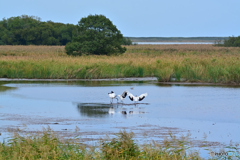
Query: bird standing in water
x=112, y=95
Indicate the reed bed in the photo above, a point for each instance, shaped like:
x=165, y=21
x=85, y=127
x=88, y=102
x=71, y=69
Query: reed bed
x=192, y=63
x=47, y=144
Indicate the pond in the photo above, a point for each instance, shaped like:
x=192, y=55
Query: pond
x=207, y=113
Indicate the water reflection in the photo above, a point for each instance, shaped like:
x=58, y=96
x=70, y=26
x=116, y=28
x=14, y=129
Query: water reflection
x=95, y=109
x=5, y=88
x=192, y=84
x=111, y=110
x=102, y=110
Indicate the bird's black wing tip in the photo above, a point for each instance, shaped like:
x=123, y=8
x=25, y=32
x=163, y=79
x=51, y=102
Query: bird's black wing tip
x=141, y=98
x=131, y=98
x=124, y=94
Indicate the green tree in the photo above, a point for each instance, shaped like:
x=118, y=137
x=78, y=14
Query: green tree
x=26, y=30
x=231, y=42
x=96, y=35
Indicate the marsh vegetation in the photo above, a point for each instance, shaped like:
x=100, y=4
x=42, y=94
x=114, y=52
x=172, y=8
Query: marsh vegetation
x=192, y=63
x=47, y=144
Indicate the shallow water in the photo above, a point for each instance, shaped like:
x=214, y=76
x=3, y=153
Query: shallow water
x=203, y=111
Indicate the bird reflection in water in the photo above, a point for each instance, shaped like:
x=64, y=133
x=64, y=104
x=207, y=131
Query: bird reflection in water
x=101, y=110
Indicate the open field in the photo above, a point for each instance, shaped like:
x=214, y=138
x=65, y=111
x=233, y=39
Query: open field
x=191, y=63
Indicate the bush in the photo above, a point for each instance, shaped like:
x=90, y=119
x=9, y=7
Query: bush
x=122, y=147
x=232, y=42
x=96, y=35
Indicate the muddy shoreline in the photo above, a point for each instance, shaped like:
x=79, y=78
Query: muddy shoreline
x=148, y=132
x=65, y=80
x=150, y=79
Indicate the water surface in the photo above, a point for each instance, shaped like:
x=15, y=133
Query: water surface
x=203, y=111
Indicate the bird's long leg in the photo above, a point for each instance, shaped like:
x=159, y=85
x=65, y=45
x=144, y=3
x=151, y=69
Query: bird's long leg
x=135, y=104
x=117, y=99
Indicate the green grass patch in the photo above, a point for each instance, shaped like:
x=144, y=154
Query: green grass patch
x=192, y=63
x=47, y=144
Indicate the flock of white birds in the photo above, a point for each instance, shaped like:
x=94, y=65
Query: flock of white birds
x=112, y=96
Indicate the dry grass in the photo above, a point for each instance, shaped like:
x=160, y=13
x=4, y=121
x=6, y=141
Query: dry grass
x=200, y=62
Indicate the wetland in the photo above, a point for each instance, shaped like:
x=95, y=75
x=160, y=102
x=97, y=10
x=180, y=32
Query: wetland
x=209, y=114
x=193, y=91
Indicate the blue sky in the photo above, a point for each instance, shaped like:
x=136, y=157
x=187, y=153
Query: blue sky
x=139, y=18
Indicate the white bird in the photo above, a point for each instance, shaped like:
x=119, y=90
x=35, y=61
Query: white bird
x=123, y=96
x=139, y=98
x=112, y=95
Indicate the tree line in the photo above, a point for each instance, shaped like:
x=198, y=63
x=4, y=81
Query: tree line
x=30, y=30
x=232, y=42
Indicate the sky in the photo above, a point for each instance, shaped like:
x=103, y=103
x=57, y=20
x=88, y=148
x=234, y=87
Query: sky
x=139, y=18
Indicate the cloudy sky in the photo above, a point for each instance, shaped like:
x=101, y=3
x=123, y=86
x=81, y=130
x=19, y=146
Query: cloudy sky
x=139, y=18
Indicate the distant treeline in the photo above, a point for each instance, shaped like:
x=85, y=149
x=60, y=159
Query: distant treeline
x=177, y=39
x=30, y=30
x=27, y=30
x=230, y=42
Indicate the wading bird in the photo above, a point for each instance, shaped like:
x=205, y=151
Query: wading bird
x=112, y=95
x=139, y=98
x=123, y=96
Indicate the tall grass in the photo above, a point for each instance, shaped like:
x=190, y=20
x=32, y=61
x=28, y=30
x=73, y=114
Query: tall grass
x=43, y=145
x=48, y=145
x=193, y=63
x=124, y=147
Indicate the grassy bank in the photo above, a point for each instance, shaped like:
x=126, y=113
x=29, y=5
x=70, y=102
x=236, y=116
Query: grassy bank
x=48, y=145
x=193, y=63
